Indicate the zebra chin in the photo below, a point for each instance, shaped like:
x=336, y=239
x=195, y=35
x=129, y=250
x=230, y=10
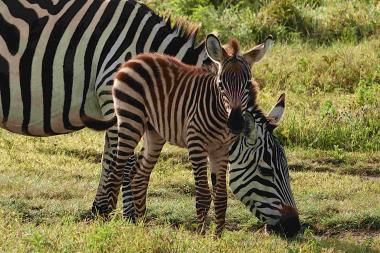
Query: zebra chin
x=287, y=224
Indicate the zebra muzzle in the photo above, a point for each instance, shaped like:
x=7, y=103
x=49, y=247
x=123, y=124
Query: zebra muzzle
x=236, y=121
x=289, y=224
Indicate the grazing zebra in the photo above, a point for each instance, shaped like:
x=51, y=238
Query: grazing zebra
x=162, y=99
x=58, y=58
x=259, y=175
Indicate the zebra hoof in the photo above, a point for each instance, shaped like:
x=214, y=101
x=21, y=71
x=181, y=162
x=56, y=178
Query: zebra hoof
x=102, y=212
x=130, y=217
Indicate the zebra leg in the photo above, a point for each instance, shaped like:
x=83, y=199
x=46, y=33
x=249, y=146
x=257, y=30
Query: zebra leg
x=218, y=164
x=198, y=158
x=100, y=205
x=153, y=144
x=131, y=124
x=127, y=195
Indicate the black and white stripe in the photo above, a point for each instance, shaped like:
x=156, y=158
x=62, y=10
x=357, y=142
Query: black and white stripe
x=259, y=175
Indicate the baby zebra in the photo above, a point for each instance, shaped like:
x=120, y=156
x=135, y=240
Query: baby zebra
x=162, y=99
x=259, y=175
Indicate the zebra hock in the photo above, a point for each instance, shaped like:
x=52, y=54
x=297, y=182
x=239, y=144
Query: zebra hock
x=161, y=99
x=259, y=175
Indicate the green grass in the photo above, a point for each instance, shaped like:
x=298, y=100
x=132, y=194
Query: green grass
x=48, y=184
x=317, y=21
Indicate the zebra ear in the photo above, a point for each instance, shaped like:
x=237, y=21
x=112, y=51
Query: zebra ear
x=275, y=115
x=257, y=53
x=214, y=49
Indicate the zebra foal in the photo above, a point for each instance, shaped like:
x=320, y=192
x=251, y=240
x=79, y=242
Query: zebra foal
x=161, y=99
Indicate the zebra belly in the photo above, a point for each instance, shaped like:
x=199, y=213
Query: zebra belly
x=36, y=126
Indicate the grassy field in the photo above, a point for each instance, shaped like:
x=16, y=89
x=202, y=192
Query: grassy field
x=327, y=60
x=47, y=185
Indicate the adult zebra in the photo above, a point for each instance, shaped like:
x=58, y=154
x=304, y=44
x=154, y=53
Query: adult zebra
x=259, y=175
x=57, y=60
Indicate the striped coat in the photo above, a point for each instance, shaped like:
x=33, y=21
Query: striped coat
x=162, y=99
x=259, y=175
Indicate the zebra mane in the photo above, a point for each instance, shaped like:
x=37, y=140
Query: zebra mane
x=186, y=30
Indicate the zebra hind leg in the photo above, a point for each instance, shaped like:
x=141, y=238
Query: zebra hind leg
x=127, y=195
x=153, y=144
x=129, y=135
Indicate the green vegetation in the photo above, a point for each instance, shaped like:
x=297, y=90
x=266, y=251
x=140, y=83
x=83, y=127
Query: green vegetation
x=326, y=59
x=318, y=21
x=48, y=184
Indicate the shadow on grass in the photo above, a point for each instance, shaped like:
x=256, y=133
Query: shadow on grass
x=337, y=166
x=90, y=155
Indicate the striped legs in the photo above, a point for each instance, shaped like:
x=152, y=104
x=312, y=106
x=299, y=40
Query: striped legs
x=127, y=195
x=218, y=164
x=101, y=205
x=198, y=159
x=153, y=144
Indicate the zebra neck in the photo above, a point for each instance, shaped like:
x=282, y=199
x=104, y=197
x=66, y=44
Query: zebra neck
x=144, y=31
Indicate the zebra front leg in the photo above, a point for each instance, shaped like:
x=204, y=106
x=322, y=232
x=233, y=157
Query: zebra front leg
x=218, y=164
x=198, y=158
x=153, y=144
x=100, y=205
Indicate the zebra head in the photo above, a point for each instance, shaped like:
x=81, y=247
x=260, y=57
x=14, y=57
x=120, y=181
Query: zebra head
x=259, y=174
x=234, y=76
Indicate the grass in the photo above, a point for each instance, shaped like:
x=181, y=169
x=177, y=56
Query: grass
x=326, y=59
x=317, y=21
x=48, y=184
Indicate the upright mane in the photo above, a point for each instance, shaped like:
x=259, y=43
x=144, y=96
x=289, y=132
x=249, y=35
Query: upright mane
x=232, y=47
x=186, y=30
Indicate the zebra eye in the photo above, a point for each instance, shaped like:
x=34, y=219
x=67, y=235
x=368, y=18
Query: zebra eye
x=266, y=172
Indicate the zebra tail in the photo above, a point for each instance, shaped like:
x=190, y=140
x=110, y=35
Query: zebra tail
x=96, y=124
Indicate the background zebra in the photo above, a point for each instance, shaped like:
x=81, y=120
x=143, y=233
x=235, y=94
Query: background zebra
x=165, y=100
x=58, y=58
x=259, y=174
